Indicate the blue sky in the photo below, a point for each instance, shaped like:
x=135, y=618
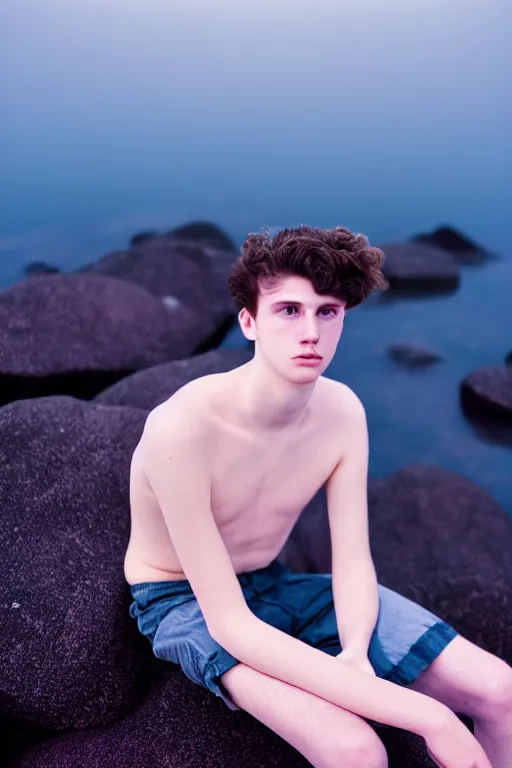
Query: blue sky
x=386, y=117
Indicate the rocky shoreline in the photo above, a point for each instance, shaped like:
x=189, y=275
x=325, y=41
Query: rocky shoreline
x=84, y=357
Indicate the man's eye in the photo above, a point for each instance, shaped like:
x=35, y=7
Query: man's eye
x=324, y=309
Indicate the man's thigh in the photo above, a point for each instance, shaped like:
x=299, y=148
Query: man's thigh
x=322, y=732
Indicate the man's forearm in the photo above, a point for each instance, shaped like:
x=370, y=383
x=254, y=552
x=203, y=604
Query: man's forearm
x=356, y=602
x=274, y=653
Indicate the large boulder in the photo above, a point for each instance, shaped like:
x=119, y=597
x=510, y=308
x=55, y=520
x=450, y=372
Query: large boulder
x=437, y=538
x=486, y=394
x=70, y=656
x=451, y=557
x=79, y=671
x=77, y=334
x=192, y=273
x=419, y=268
x=460, y=246
x=149, y=388
x=178, y=724
x=181, y=724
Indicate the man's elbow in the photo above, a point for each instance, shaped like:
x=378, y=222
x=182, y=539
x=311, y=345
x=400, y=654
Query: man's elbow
x=228, y=627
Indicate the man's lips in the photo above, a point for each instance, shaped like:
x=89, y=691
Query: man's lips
x=310, y=357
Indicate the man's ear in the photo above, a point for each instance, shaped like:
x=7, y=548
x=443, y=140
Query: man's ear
x=247, y=324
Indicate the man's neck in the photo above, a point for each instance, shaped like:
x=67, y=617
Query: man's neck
x=264, y=402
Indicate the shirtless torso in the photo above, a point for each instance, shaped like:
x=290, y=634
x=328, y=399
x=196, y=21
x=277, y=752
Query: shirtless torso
x=259, y=483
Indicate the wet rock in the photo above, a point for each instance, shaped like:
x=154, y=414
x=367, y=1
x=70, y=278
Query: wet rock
x=149, y=388
x=461, y=247
x=437, y=538
x=70, y=655
x=77, y=334
x=418, y=267
x=205, y=232
x=412, y=355
x=39, y=268
x=486, y=394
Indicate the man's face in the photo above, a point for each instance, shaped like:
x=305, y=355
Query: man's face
x=292, y=320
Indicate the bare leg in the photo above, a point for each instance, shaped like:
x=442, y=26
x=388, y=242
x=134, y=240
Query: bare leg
x=496, y=739
x=473, y=682
x=325, y=734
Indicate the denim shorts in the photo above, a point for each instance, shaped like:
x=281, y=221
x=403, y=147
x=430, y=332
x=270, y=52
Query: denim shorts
x=406, y=638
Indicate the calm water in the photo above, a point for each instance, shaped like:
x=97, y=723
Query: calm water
x=414, y=416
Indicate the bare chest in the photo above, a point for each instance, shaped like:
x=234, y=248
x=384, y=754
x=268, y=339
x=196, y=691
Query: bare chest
x=259, y=490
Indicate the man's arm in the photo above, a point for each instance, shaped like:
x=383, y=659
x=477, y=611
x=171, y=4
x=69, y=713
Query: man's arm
x=175, y=461
x=355, y=587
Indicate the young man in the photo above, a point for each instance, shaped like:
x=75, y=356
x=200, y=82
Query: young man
x=218, y=480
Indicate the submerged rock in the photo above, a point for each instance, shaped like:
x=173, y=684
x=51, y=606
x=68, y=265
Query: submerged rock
x=460, y=246
x=486, y=394
x=419, y=268
x=412, y=355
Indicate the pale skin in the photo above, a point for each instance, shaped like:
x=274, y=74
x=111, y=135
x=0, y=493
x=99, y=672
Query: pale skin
x=280, y=430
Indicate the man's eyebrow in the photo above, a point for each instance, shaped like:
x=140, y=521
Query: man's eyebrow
x=333, y=303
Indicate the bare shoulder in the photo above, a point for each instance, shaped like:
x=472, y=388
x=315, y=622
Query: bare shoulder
x=341, y=401
x=182, y=417
x=347, y=422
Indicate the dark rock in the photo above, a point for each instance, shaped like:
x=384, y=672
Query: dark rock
x=469, y=584
x=39, y=268
x=412, y=355
x=180, y=724
x=205, y=232
x=436, y=538
x=417, y=267
x=186, y=271
x=17, y=736
x=486, y=394
x=149, y=388
x=70, y=655
x=142, y=237
x=77, y=334
x=508, y=359
x=462, y=248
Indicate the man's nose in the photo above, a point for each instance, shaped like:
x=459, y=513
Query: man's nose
x=310, y=330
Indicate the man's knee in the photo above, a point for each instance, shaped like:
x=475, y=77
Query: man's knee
x=360, y=749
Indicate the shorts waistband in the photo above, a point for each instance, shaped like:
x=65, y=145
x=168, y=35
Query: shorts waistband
x=249, y=580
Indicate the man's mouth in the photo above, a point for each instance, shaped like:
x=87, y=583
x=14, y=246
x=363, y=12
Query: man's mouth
x=310, y=357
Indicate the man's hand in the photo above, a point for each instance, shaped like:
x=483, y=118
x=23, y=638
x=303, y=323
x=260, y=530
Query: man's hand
x=358, y=660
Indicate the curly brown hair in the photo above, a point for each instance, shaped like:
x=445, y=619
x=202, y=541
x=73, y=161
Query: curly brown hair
x=336, y=261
